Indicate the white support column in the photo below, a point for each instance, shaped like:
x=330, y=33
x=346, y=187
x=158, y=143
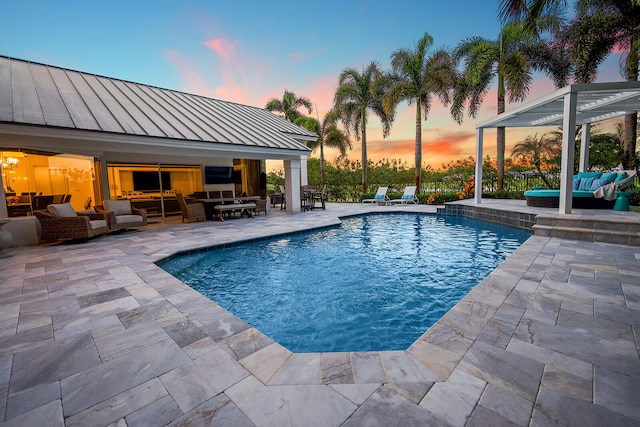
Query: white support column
x=4, y=211
x=104, y=173
x=479, y=143
x=584, y=148
x=292, y=184
x=568, y=152
x=304, y=179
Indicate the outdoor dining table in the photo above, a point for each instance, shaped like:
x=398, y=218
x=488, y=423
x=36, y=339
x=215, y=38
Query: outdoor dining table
x=209, y=204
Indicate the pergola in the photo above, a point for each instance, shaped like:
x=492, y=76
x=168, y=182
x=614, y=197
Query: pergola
x=577, y=104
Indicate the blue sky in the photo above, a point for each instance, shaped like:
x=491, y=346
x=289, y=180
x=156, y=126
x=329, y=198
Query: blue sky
x=250, y=51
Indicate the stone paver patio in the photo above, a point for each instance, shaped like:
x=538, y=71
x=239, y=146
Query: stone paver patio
x=97, y=334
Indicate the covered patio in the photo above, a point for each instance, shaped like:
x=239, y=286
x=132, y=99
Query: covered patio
x=577, y=104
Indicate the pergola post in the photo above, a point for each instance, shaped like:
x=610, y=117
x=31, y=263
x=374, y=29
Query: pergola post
x=292, y=184
x=568, y=152
x=584, y=148
x=479, y=143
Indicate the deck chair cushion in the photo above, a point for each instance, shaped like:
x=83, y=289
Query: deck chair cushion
x=379, y=197
x=64, y=210
x=407, y=197
x=118, y=207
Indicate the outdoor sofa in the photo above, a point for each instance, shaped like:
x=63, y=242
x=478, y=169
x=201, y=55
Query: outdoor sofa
x=591, y=190
x=62, y=222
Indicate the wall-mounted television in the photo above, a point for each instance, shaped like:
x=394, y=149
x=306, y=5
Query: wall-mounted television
x=218, y=175
x=148, y=181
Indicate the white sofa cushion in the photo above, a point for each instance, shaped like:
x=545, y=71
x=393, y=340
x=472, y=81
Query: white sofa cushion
x=118, y=207
x=64, y=210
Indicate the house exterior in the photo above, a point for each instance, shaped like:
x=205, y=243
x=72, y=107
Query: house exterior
x=65, y=132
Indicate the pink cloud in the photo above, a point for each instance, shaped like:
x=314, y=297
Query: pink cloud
x=192, y=82
x=224, y=48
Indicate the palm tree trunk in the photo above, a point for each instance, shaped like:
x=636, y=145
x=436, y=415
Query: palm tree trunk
x=364, y=152
x=322, y=164
x=500, y=134
x=418, y=175
x=631, y=120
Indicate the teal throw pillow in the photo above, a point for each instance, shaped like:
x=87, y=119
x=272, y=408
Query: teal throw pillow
x=597, y=183
x=621, y=176
x=609, y=176
x=585, y=183
x=589, y=175
x=576, y=183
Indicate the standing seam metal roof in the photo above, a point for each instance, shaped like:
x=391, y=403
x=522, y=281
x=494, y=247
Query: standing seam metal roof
x=39, y=94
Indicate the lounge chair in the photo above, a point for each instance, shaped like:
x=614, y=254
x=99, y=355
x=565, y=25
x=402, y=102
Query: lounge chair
x=409, y=196
x=191, y=211
x=121, y=215
x=380, y=198
x=62, y=222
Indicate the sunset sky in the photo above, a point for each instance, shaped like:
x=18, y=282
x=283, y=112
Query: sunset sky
x=250, y=51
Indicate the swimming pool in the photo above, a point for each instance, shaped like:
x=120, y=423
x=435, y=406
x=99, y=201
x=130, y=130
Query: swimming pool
x=375, y=283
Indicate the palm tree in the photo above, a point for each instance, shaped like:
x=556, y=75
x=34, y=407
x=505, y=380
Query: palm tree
x=511, y=58
x=289, y=105
x=537, y=152
x=329, y=135
x=600, y=27
x=357, y=95
x=512, y=10
x=416, y=79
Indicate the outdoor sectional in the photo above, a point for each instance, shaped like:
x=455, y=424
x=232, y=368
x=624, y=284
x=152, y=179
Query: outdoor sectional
x=591, y=190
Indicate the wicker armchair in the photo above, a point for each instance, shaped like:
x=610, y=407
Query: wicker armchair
x=121, y=215
x=69, y=225
x=263, y=204
x=191, y=211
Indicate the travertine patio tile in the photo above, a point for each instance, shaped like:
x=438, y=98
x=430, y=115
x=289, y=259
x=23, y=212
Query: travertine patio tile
x=245, y=343
x=69, y=326
x=401, y=367
x=51, y=361
x=21, y=403
x=336, y=368
x=185, y=333
x=482, y=417
x=619, y=314
x=113, y=342
x=555, y=408
x=218, y=411
x=454, y=399
x=505, y=369
x=497, y=333
x=549, y=357
x=356, y=393
x=385, y=408
x=506, y=404
x=617, y=391
x=223, y=325
x=91, y=386
x=565, y=382
x=290, y=405
x=435, y=358
x=144, y=294
x=160, y=413
x=299, y=368
x=49, y=415
x=578, y=343
x=198, y=381
x=48, y=307
x=367, y=368
x=599, y=327
x=147, y=313
x=101, y=297
x=201, y=347
x=266, y=362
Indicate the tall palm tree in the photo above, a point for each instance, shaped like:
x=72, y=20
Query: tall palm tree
x=530, y=10
x=289, y=105
x=416, y=78
x=538, y=151
x=357, y=95
x=329, y=135
x=600, y=27
x=512, y=58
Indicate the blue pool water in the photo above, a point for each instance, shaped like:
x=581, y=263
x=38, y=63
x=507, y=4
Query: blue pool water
x=375, y=283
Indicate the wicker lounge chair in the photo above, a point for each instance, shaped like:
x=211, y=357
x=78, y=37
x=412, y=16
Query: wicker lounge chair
x=121, y=215
x=191, y=211
x=62, y=222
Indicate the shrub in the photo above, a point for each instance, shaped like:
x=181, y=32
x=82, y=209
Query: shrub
x=634, y=199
